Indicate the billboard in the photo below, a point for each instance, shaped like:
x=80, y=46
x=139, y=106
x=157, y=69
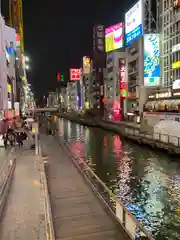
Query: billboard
x=10, y=40
x=99, y=38
x=114, y=37
x=75, y=74
x=151, y=60
x=86, y=65
x=134, y=23
x=17, y=40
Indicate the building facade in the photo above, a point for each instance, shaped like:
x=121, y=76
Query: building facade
x=72, y=96
x=169, y=28
x=3, y=69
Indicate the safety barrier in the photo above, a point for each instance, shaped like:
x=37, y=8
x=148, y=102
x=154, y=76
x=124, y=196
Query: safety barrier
x=131, y=225
x=6, y=175
x=49, y=228
x=160, y=137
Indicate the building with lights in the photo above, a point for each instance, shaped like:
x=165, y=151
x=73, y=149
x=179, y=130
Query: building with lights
x=16, y=21
x=112, y=82
x=72, y=96
x=169, y=29
x=3, y=71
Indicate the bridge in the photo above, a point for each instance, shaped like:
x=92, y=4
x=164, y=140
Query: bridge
x=47, y=109
x=53, y=195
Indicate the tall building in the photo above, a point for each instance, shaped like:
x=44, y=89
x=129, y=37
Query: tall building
x=72, y=96
x=168, y=12
x=16, y=21
x=3, y=70
x=10, y=46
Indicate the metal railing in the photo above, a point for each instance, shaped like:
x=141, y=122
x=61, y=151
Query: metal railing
x=130, y=224
x=6, y=175
x=49, y=228
x=160, y=137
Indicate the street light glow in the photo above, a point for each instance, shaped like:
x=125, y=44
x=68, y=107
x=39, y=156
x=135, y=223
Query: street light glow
x=26, y=59
x=27, y=67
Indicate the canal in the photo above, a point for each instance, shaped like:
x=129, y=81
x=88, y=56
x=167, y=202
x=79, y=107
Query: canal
x=147, y=182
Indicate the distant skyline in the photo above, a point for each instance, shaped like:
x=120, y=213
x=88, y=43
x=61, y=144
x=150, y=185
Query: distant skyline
x=58, y=35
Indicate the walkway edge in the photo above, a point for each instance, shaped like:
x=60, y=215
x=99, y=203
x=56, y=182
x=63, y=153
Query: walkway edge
x=49, y=227
x=9, y=165
x=118, y=202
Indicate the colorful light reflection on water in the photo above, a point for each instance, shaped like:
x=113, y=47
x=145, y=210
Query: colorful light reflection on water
x=147, y=182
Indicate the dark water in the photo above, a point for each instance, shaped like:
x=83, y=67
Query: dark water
x=147, y=182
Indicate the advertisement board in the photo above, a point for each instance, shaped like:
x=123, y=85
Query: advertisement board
x=176, y=84
x=151, y=60
x=114, y=37
x=86, y=65
x=134, y=23
x=10, y=40
x=122, y=76
x=17, y=40
x=99, y=38
x=75, y=74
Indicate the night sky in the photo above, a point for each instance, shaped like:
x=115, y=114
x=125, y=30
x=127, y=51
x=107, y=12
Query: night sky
x=57, y=34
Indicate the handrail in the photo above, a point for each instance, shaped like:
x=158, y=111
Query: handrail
x=156, y=136
x=6, y=174
x=128, y=221
x=50, y=235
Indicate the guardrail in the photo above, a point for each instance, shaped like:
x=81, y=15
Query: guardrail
x=6, y=175
x=131, y=225
x=161, y=137
x=49, y=228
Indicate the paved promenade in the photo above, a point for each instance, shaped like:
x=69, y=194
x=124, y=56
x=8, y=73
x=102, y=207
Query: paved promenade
x=23, y=212
x=76, y=211
x=3, y=155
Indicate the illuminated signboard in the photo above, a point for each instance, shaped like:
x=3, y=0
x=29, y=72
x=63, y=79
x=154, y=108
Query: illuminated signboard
x=151, y=60
x=176, y=65
x=75, y=74
x=176, y=84
x=114, y=37
x=86, y=65
x=133, y=23
x=17, y=40
x=176, y=48
x=122, y=76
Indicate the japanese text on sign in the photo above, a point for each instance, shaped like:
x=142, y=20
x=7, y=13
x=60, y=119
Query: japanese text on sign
x=98, y=38
x=75, y=74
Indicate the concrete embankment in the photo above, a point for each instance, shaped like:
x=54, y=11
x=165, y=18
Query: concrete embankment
x=132, y=132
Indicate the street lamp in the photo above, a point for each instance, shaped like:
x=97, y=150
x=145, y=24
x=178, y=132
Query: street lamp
x=27, y=67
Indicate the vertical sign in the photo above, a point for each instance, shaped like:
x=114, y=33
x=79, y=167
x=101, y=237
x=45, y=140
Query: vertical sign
x=99, y=59
x=123, y=83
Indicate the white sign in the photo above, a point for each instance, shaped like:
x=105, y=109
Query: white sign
x=163, y=95
x=133, y=23
x=176, y=84
x=176, y=48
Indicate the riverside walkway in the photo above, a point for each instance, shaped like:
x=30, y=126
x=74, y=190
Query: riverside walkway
x=77, y=213
x=22, y=217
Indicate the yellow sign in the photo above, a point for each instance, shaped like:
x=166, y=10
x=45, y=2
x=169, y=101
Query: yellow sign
x=176, y=65
x=86, y=65
x=9, y=88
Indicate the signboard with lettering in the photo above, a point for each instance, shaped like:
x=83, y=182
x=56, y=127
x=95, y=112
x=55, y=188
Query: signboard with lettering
x=75, y=74
x=122, y=77
x=99, y=38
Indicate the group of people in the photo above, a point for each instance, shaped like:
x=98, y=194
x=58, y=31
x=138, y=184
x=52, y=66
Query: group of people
x=14, y=131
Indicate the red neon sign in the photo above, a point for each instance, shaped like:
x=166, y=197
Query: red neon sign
x=75, y=74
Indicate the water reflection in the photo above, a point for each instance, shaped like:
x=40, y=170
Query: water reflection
x=148, y=183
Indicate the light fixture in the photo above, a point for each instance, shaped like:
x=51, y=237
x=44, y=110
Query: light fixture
x=26, y=59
